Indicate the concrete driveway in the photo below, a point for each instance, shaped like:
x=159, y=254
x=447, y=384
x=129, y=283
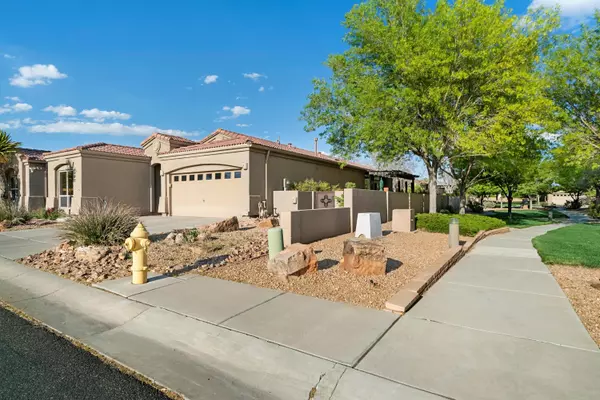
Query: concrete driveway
x=156, y=224
x=17, y=244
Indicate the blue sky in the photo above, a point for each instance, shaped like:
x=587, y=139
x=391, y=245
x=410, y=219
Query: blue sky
x=75, y=72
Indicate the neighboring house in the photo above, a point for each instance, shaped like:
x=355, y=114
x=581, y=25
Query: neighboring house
x=24, y=178
x=560, y=198
x=224, y=174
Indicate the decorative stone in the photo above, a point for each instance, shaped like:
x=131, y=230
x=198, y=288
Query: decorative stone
x=271, y=222
x=179, y=238
x=403, y=220
x=297, y=259
x=91, y=254
x=368, y=225
x=364, y=257
x=229, y=225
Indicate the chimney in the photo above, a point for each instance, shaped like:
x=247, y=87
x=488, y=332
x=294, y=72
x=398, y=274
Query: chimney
x=316, y=146
x=290, y=144
x=278, y=139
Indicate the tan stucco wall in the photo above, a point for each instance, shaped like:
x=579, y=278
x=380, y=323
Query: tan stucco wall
x=417, y=202
x=363, y=201
x=295, y=169
x=292, y=200
x=125, y=180
x=396, y=201
x=204, y=198
x=307, y=226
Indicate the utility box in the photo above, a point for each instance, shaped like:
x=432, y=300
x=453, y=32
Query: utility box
x=368, y=225
x=403, y=220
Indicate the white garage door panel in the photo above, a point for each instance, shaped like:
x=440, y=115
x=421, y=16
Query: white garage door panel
x=218, y=197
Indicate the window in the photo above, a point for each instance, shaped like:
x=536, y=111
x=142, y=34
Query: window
x=218, y=175
x=200, y=176
x=237, y=174
x=227, y=175
x=176, y=179
x=192, y=177
x=183, y=178
x=208, y=177
x=65, y=188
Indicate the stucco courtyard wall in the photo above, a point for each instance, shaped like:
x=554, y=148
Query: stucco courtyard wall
x=396, y=201
x=295, y=169
x=307, y=226
x=363, y=201
x=417, y=202
x=291, y=200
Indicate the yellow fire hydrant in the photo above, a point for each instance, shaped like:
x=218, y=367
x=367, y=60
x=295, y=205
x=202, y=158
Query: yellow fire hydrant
x=138, y=244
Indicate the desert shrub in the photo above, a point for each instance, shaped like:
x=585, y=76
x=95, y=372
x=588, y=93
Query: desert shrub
x=475, y=207
x=339, y=200
x=469, y=224
x=101, y=222
x=48, y=213
x=350, y=185
x=10, y=211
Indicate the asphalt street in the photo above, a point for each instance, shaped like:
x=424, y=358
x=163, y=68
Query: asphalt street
x=37, y=364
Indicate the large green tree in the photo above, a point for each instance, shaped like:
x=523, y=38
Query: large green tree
x=455, y=79
x=573, y=72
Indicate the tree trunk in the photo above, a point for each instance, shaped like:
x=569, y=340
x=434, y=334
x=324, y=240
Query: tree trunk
x=597, y=200
x=463, y=200
x=481, y=201
x=509, y=198
x=432, y=172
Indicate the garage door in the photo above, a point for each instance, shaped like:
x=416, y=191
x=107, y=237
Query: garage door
x=206, y=194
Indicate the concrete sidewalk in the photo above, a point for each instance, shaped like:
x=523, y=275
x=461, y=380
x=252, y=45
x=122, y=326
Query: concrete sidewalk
x=496, y=326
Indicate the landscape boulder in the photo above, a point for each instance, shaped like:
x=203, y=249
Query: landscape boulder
x=179, y=238
x=91, y=254
x=364, y=257
x=229, y=225
x=270, y=222
x=296, y=259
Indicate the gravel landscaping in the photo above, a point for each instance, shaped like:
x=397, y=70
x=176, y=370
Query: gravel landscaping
x=408, y=253
x=582, y=287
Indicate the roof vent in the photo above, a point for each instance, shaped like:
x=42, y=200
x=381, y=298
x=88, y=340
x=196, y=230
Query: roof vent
x=290, y=144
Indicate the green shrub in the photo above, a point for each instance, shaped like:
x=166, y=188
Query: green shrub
x=10, y=211
x=475, y=207
x=350, y=185
x=310, y=185
x=469, y=224
x=489, y=204
x=594, y=210
x=101, y=222
x=48, y=213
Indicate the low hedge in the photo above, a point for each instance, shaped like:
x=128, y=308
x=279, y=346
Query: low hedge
x=469, y=224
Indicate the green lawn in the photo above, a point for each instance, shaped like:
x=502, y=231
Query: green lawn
x=571, y=245
x=527, y=218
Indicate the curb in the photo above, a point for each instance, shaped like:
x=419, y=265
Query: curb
x=410, y=293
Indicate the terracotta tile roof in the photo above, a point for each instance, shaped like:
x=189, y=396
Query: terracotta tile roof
x=32, y=154
x=105, y=148
x=169, y=138
x=239, y=138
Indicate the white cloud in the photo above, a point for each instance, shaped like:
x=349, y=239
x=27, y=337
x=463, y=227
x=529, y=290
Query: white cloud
x=10, y=57
x=100, y=115
x=573, y=12
x=62, y=110
x=243, y=125
x=211, y=79
x=255, y=76
x=37, y=74
x=261, y=89
x=28, y=121
x=15, y=108
x=12, y=124
x=14, y=98
x=236, y=111
x=95, y=128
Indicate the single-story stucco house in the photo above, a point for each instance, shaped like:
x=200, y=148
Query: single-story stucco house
x=24, y=180
x=224, y=174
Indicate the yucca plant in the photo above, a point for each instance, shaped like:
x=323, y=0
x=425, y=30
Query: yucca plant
x=101, y=222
